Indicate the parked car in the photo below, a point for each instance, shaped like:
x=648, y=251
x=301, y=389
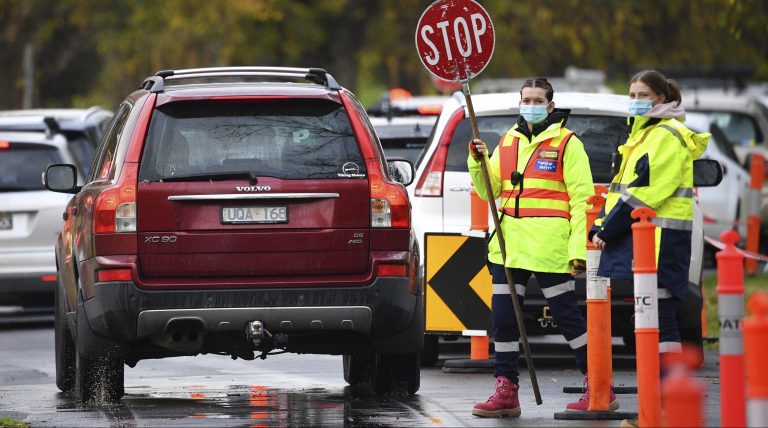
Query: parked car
x=83, y=128
x=738, y=114
x=30, y=216
x=721, y=206
x=404, y=137
x=744, y=121
x=242, y=211
x=442, y=182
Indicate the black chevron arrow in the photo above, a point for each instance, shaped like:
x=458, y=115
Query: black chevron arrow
x=451, y=283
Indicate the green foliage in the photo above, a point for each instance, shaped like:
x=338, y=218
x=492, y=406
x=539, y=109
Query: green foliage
x=94, y=51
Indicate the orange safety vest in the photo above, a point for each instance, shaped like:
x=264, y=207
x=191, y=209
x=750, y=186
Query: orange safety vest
x=540, y=191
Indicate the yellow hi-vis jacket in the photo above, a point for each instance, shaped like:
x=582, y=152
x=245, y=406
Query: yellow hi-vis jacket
x=539, y=243
x=657, y=172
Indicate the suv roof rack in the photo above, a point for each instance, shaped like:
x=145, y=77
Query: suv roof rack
x=319, y=76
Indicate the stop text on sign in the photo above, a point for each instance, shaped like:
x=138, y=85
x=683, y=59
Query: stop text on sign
x=455, y=39
x=461, y=37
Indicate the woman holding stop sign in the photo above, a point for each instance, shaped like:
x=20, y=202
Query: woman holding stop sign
x=541, y=172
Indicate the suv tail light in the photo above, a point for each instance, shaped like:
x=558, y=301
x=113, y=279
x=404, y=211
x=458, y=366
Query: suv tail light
x=389, y=200
x=431, y=181
x=116, y=207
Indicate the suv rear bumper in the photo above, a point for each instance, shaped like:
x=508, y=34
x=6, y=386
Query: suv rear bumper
x=383, y=316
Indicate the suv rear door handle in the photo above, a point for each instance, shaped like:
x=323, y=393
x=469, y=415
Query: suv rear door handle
x=460, y=189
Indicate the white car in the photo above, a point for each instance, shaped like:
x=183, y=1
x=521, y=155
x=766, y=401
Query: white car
x=440, y=192
x=721, y=206
x=30, y=220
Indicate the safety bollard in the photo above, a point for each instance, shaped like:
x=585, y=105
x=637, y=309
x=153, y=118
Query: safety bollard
x=478, y=343
x=755, y=329
x=682, y=396
x=730, y=307
x=646, y=317
x=478, y=211
x=757, y=165
x=478, y=347
x=599, y=352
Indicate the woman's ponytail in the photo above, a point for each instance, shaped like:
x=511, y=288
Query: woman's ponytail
x=660, y=84
x=672, y=92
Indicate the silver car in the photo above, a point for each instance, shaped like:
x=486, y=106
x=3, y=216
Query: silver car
x=30, y=219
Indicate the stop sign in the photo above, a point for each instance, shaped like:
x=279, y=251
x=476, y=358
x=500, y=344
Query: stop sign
x=455, y=39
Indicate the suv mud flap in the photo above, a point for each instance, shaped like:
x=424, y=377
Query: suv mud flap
x=87, y=341
x=409, y=340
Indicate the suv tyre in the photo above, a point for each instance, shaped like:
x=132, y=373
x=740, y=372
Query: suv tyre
x=355, y=368
x=396, y=373
x=65, y=347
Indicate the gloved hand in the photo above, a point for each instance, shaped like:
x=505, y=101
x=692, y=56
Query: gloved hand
x=477, y=148
x=578, y=266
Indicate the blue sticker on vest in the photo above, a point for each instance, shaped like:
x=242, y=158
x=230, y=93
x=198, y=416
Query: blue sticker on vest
x=543, y=165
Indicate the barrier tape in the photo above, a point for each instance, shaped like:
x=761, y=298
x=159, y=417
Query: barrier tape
x=748, y=254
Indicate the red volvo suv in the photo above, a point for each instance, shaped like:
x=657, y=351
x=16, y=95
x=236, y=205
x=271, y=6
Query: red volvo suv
x=242, y=211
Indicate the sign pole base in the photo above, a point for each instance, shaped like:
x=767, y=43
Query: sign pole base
x=595, y=416
x=469, y=366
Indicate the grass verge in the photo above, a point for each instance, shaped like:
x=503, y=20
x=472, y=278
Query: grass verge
x=12, y=423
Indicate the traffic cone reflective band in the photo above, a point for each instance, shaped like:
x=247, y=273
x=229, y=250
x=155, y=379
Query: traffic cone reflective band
x=730, y=307
x=755, y=329
x=681, y=395
x=646, y=317
x=757, y=165
x=599, y=353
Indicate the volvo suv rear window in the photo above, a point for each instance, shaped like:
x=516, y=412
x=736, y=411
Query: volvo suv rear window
x=21, y=165
x=306, y=139
x=601, y=136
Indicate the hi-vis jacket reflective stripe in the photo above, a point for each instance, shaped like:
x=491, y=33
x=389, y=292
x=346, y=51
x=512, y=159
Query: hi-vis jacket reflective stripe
x=541, y=192
x=540, y=244
x=657, y=172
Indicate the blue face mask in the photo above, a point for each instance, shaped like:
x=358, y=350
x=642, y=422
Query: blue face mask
x=639, y=107
x=534, y=114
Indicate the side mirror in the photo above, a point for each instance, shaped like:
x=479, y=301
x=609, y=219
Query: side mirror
x=61, y=178
x=707, y=173
x=401, y=170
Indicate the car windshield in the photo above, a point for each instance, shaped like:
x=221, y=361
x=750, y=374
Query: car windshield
x=740, y=128
x=601, y=136
x=21, y=165
x=405, y=140
x=288, y=140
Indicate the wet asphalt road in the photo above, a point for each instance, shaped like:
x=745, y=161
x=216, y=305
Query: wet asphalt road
x=287, y=390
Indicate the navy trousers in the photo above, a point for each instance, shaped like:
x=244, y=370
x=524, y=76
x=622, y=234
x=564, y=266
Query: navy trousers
x=559, y=290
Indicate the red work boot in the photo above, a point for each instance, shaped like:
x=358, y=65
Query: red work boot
x=583, y=403
x=503, y=402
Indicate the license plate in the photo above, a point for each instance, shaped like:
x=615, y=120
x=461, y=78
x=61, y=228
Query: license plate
x=251, y=215
x=6, y=221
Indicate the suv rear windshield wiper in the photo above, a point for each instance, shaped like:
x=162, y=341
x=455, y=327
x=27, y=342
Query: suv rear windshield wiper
x=250, y=175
